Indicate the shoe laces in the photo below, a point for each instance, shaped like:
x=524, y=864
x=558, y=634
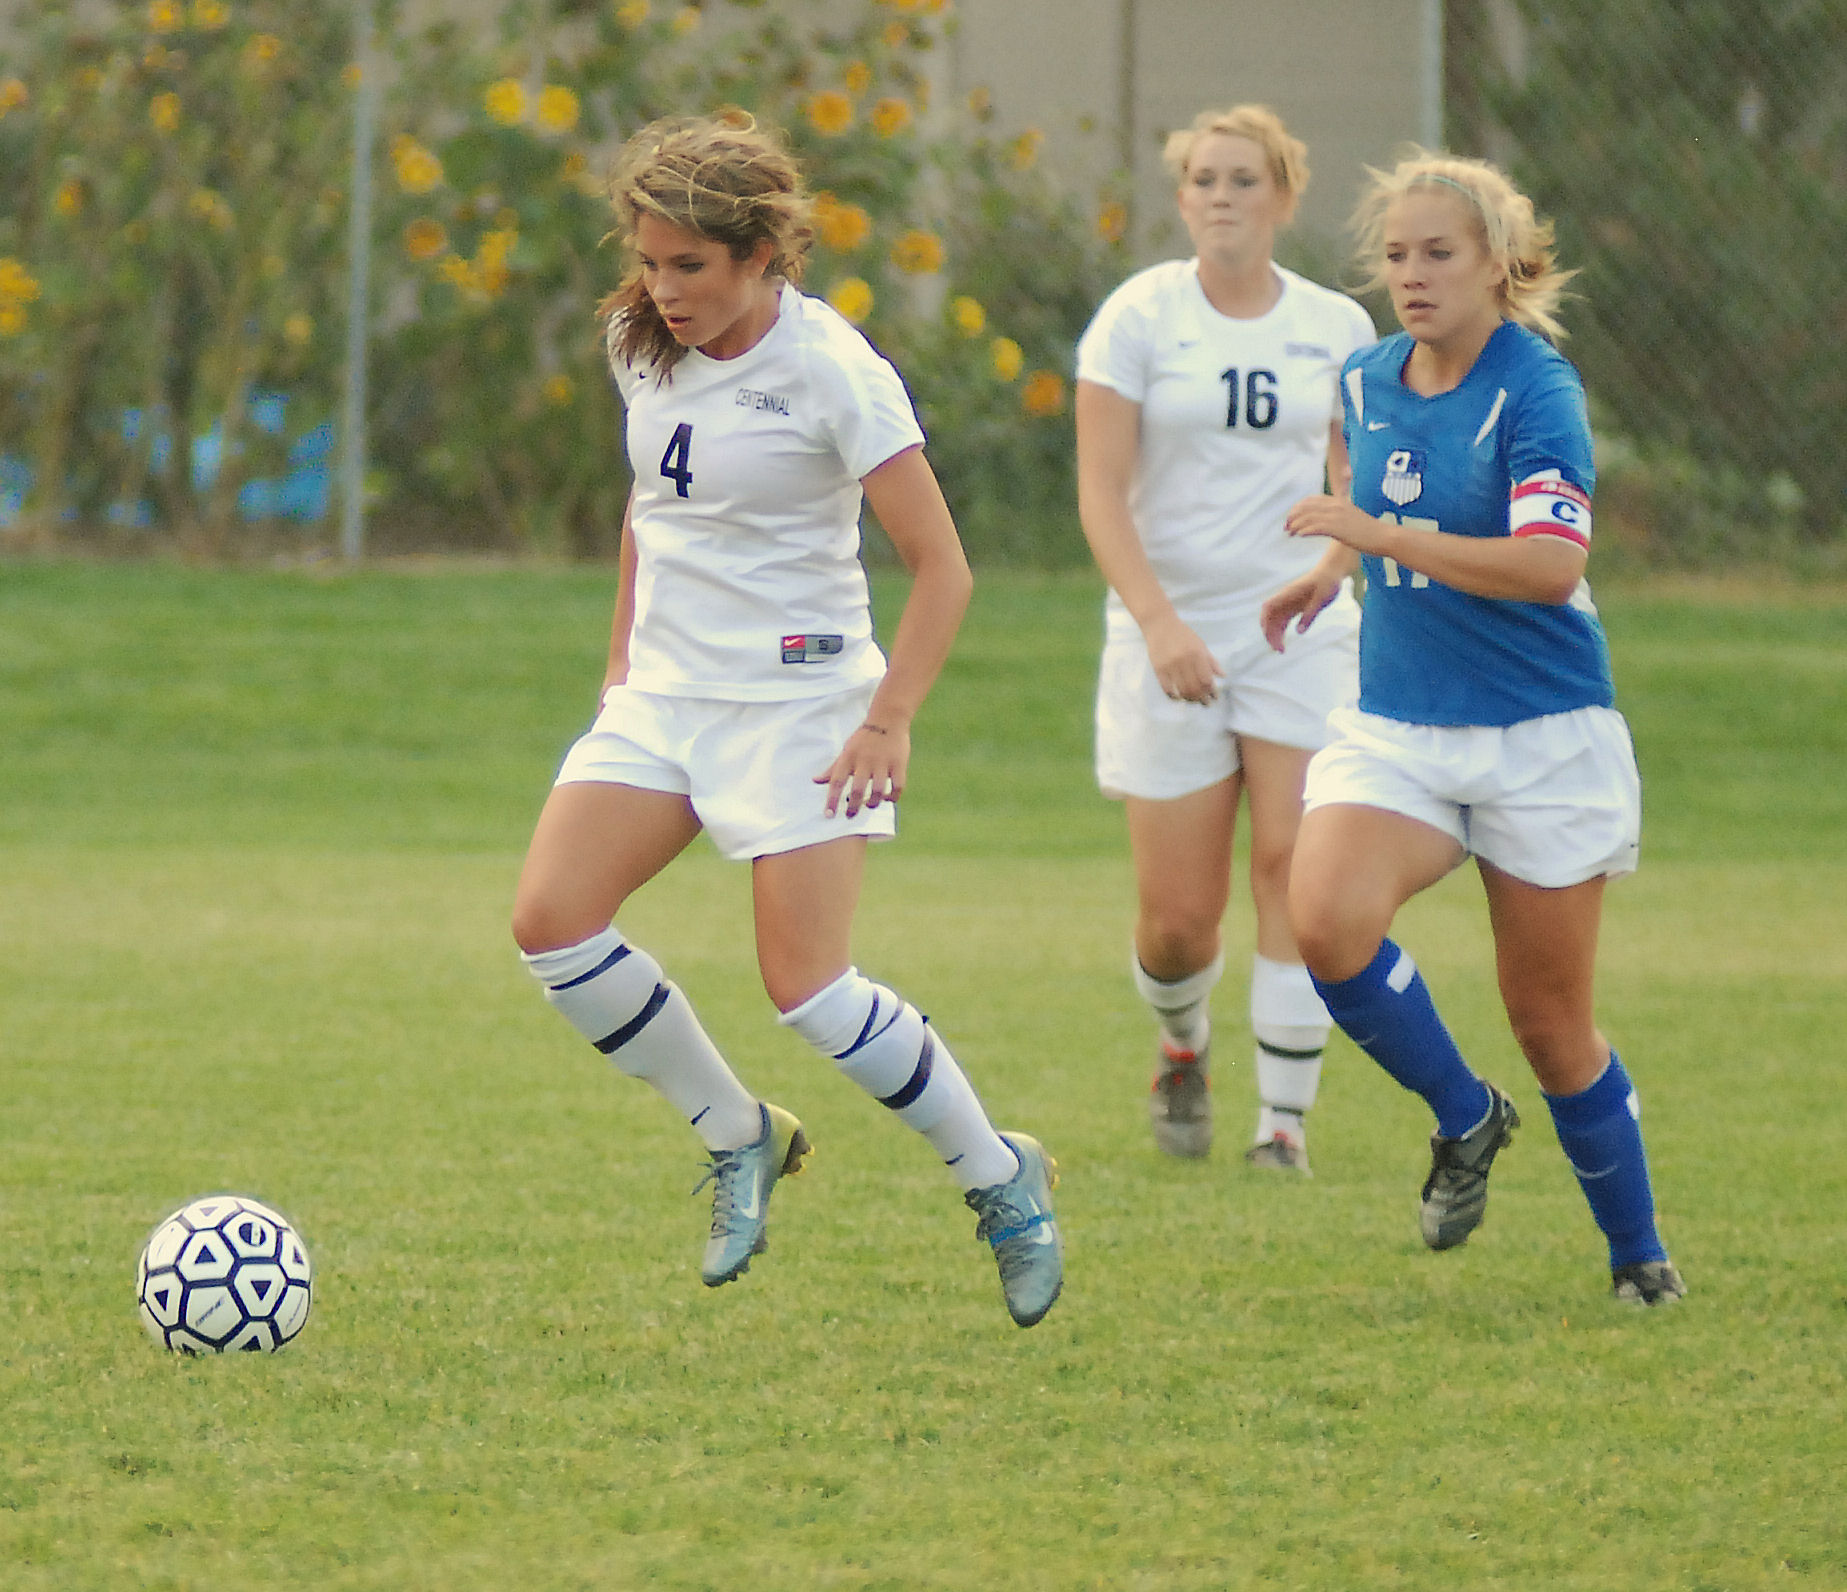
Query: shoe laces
x=1003, y=1220
x=723, y=1172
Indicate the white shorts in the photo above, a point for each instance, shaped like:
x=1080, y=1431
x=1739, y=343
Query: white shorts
x=747, y=767
x=1151, y=747
x=1553, y=801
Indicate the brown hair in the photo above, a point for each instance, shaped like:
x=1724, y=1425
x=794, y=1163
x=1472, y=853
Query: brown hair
x=1505, y=221
x=721, y=177
x=1287, y=156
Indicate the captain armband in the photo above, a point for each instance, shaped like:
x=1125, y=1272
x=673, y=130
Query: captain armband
x=1548, y=505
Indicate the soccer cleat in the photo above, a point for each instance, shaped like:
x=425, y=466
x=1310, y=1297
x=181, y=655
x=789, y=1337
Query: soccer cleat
x=741, y=1182
x=1016, y=1219
x=1456, y=1192
x=1280, y=1153
x=1180, y=1100
x=1648, y=1282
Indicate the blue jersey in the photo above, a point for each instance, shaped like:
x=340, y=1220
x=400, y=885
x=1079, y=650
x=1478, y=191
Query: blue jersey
x=1505, y=453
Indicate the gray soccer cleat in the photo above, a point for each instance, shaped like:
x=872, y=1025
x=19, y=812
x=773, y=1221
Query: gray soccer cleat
x=1455, y=1194
x=1279, y=1153
x=741, y=1182
x=1016, y=1218
x=1648, y=1282
x=1180, y=1100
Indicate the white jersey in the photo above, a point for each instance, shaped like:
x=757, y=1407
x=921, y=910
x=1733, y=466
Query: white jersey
x=1234, y=427
x=748, y=583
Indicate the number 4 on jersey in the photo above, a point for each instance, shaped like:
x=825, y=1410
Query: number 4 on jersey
x=677, y=461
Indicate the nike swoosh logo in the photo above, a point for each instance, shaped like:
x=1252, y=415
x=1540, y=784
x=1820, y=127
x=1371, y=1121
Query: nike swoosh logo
x=749, y=1210
x=1592, y=1177
x=1042, y=1234
x=1377, y=425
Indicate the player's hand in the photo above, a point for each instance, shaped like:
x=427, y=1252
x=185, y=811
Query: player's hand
x=870, y=768
x=1339, y=520
x=1183, y=664
x=1302, y=601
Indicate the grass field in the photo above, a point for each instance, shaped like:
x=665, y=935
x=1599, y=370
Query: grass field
x=258, y=833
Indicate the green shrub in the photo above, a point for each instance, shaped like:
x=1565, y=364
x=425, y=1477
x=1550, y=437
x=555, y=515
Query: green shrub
x=173, y=212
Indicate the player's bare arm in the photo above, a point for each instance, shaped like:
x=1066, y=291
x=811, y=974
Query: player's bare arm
x=903, y=492
x=624, y=620
x=1108, y=427
x=1534, y=569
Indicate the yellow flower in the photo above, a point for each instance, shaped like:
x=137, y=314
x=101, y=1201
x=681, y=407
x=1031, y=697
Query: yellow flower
x=897, y=34
x=1043, y=394
x=1008, y=358
x=68, y=200
x=830, y=113
x=14, y=95
x=857, y=77
x=632, y=13
x=424, y=239
x=456, y=271
x=352, y=74
x=1024, y=150
x=852, y=296
x=560, y=390
x=890, y=117
x=686, y=19
x=918, y=253
x=506, y=101
x=298, y=329
x=261, y=50
x=557, y=109
x=1113, y=221
x=164, y=112
x=16, y=283
x=210, y=15
x=165, y=16
x=970, y=318
x=843, y=227
x=209, y=207
x=12, y=320
x=418, y=171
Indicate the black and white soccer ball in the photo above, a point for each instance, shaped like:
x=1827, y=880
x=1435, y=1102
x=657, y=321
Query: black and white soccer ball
x=223, y=1273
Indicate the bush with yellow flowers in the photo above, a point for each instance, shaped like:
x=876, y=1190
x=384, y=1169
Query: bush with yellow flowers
x=173, y=212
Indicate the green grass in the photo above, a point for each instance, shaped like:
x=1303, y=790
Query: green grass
x=258, y=833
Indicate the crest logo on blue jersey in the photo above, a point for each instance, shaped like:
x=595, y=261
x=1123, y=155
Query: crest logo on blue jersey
x=1404, y=476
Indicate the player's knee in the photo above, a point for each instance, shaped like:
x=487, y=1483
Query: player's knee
x=539, y=927
x=1334, y=941
x=1173, y=934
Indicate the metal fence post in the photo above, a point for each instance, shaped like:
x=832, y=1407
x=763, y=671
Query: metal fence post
x=358, y=262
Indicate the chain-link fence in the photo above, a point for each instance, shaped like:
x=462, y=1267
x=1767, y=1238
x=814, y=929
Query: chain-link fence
x=1693, y=154
x=172, y=219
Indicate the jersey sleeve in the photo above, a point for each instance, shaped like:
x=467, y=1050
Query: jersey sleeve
x=1356, y=332
x=1550, y=459
x=1114, y=350
x=625, y=378
x=868, y=412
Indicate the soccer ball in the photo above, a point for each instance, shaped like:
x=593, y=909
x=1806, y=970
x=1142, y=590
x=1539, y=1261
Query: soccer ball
x=223, y=1273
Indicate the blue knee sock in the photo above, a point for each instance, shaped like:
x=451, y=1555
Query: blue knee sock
x=1600, y=1131
x=1386, y=1010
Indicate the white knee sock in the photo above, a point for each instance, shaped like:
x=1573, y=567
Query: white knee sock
x=615, y=996
x=884, y=1045
x=1183, y=1006
x=1291, y=1028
